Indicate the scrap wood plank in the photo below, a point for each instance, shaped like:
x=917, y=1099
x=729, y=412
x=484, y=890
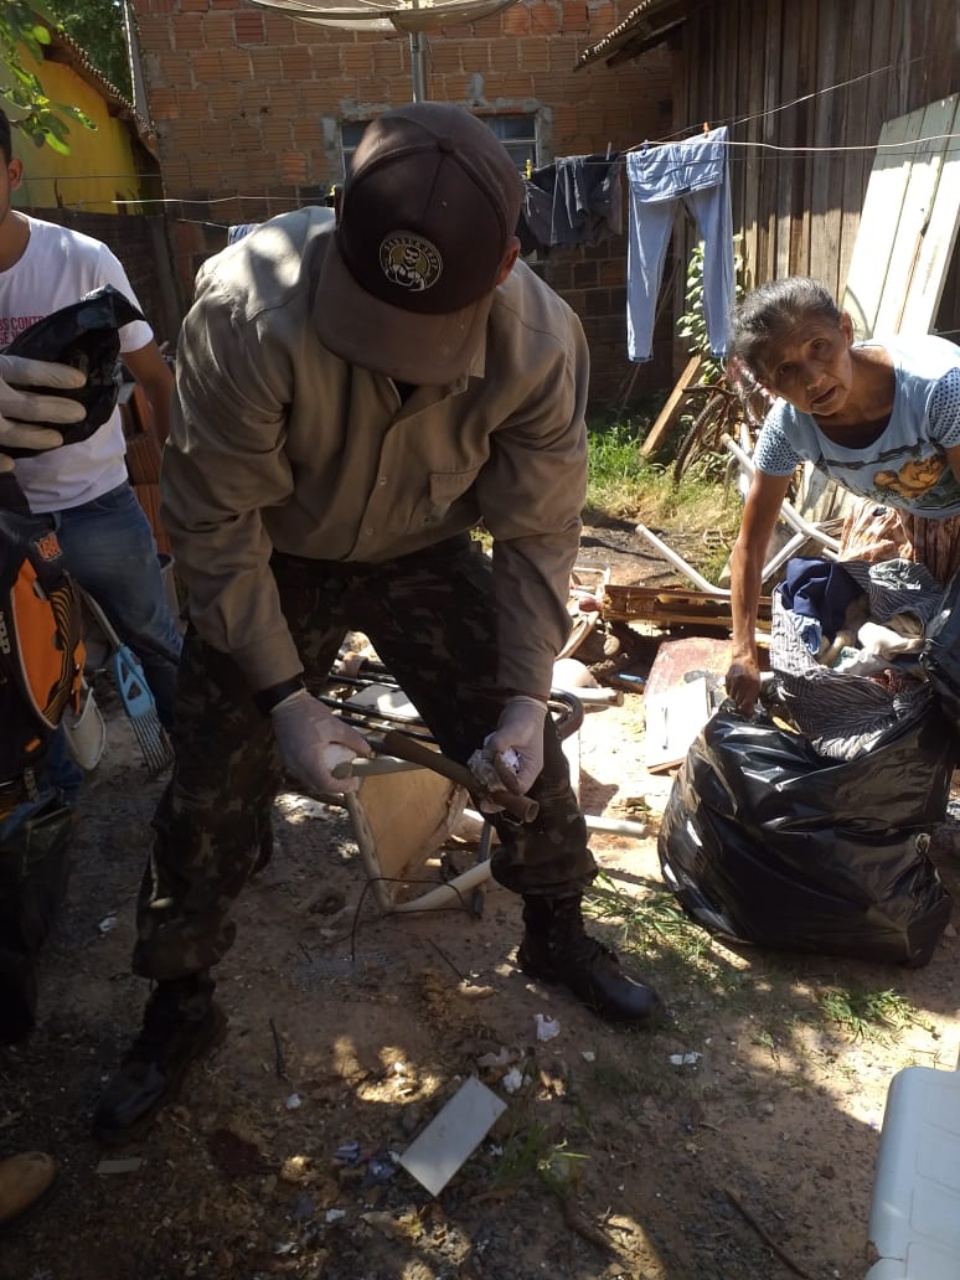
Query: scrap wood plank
x=671, y=410
x=923, y=164
x=667, y=606
x=879, y=220
x=938, y=238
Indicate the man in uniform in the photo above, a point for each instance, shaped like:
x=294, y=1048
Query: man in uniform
x=356, y=393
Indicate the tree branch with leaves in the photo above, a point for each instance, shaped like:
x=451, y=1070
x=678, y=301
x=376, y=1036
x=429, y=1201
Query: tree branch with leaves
x=34, y=113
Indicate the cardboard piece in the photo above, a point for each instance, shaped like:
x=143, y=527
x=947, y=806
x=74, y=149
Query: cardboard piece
x=673, y=720
x=453, y=1135
x=684, y=686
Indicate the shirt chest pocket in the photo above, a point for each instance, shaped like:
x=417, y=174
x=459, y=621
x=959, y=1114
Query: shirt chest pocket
x=444, y=490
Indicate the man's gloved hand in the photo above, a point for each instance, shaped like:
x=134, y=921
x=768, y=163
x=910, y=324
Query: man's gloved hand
x=511, y=758
x=20, y=408
x=312, y=741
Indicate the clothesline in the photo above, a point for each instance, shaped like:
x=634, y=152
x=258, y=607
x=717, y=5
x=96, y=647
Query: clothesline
x=600, y=161
x=806, y=97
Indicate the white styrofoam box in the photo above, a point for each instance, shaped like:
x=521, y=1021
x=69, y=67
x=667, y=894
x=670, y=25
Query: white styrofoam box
x=915, y=1212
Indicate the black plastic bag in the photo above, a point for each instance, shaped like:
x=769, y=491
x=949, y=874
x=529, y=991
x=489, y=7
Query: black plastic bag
x=940, y=656
x=34, y=870
x=764, y=841
x=84, y=335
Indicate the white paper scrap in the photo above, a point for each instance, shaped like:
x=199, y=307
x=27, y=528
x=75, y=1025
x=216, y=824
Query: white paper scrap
x=547, y=1028
x=452, y=1135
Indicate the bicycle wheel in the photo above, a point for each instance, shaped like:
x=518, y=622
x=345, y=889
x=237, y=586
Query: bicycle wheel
x=710, y=423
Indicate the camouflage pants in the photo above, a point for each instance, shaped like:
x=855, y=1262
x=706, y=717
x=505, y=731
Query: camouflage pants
x=430, y=617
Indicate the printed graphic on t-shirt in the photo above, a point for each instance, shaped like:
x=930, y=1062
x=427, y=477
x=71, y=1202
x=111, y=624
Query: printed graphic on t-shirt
x=900, y=477
x=10, y=326
x=915, y=478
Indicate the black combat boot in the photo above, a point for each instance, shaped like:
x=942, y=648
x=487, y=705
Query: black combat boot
x=555, y=948
x=180, y=1023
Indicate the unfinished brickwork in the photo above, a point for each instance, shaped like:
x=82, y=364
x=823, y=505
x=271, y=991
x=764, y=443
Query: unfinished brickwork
x=250, y=109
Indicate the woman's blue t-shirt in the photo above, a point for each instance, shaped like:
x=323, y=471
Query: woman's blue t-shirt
x=906, y=467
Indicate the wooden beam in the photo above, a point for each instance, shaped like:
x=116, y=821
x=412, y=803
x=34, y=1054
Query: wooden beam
x=671, y=410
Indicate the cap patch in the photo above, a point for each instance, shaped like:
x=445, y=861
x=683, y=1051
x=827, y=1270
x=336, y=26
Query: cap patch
x=410, y=261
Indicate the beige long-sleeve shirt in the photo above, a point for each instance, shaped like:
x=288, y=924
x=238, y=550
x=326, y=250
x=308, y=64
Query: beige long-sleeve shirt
x=277, y=443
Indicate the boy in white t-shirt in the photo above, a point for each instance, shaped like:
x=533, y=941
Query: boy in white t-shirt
x=84, y=488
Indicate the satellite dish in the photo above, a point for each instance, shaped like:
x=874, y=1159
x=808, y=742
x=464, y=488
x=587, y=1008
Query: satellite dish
x=410, y=17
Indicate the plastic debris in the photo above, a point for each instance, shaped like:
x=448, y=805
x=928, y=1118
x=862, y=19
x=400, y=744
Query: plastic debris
x=547, y=1028
x=452, y=1135
x=512, y=1080
x=107, y=923
x=334, y=1215
x=588, y=1055
x=381, y=1170
x=293, y=1102
x=684, y=1059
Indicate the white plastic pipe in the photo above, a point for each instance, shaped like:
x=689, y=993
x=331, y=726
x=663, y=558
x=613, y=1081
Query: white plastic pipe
x=678, y=562
x=450, y=894
x=789, y=512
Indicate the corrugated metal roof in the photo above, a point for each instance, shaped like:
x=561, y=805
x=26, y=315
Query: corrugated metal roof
x=649, y=24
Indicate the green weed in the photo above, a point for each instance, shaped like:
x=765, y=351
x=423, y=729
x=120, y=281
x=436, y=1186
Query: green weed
x=869, y=1015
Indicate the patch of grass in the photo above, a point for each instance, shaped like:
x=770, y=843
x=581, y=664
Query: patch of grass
x=623, y=485
x=658, y=933
x=869, y=1015
x=618, y=472
x=701, y=979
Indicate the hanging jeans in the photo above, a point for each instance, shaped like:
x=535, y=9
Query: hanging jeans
x=693, y=172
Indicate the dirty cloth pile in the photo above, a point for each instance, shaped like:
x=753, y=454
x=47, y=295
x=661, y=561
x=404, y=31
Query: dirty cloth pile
x=841, y=708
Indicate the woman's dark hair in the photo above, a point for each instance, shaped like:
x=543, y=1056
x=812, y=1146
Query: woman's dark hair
x=6, y=144
x=770, y=310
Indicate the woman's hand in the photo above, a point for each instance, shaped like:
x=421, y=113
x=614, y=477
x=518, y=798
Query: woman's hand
x=743, y=682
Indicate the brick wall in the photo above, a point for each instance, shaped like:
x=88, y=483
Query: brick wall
x=248, y=107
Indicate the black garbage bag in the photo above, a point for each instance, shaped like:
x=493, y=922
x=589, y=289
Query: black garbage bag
x=765, y=841
x=84, y=335
x=940, y=656
x=34, y=870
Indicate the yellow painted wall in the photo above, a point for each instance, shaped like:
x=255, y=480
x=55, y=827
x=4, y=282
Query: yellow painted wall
x=100, y=167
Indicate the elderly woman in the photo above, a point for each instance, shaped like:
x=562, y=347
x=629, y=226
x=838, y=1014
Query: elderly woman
x=880, y=418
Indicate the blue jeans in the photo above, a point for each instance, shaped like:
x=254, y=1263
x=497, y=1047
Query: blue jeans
x=660, y=178
x=110, y=551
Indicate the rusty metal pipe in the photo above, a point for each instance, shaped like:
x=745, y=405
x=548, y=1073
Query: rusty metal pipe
x=392, y=743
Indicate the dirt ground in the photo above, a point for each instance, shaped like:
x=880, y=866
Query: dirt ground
x=619, y=1154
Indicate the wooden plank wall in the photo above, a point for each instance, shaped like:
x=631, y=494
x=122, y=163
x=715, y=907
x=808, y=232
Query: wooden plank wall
x=777, y=72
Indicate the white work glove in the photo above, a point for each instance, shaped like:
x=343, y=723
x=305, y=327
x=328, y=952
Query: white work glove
x=511, y=758
x=20, y=408
x=312, y=741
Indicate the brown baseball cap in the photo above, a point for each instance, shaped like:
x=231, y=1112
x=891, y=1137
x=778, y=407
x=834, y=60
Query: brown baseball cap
x=429, y=208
